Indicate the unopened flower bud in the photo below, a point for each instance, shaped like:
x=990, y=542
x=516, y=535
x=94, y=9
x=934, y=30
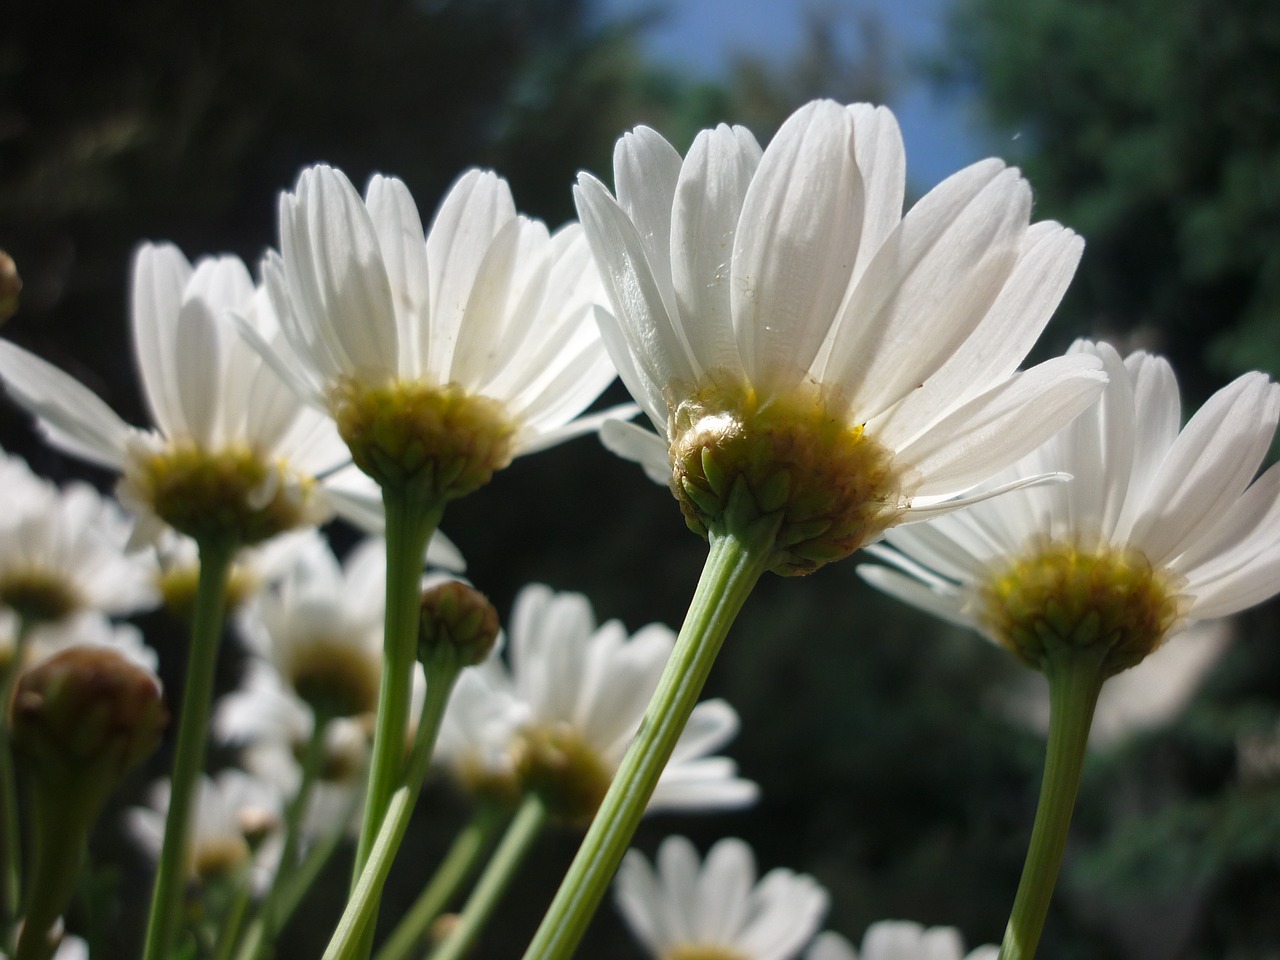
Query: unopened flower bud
x=87, y=714
x=456, y=620
x=10, y=287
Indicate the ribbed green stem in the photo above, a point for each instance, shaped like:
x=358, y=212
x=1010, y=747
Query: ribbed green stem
x=411, y=520
x=733, y=566
x=354, y=934
x=312, y=762
x=12, y=836
x=516, y=843
x=459, y=863
x=1075, y=679
x=193, y=727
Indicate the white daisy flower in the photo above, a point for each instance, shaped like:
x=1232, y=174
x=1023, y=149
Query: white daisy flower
x=716, y=910
x=460, y=348
x=899, y=940
x=233, y=814
x=561, y=718
x=1158, y=529
x=62, y=552
x=233, y=451
x=783, y=324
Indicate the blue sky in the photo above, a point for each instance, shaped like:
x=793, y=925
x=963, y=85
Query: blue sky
x=701, y=36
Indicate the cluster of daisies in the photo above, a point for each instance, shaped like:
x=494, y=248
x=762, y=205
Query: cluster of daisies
x=822, y=372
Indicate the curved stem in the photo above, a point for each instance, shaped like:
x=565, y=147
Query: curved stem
x=411, y=520
x=12, y=837
x=206, y=632
x=1075, y=679
x=312, y=761
x=463, y=857
x=733, y=566
x=354, y=935
x=516, y=843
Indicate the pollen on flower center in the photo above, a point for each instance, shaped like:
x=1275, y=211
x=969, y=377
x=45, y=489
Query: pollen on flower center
x=567, y=772
x=39, y=596
x=416, y=434
x=230, y=493
x=335, y=678
x=1060, y=596
x=694, y=951
x=835, y=486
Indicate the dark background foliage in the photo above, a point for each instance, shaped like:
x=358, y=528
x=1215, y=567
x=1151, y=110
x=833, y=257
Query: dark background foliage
x=888, y=767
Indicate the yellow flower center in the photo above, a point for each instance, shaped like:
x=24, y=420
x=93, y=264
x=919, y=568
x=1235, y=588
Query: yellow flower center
x=567, y=772
x=214, y=859
x=442, y=438
x=336, y=679
x=178, y=589
x=697, y=951
x=835, y=487
x=226, y=494
x=39, y=596
x=1060, y=595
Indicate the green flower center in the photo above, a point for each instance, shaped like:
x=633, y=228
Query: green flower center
x=697, y=951
x=442, y=439
x=39, y=596
x=1062, y=596
x=568, y=773
x=228, y=494
x=835, y=486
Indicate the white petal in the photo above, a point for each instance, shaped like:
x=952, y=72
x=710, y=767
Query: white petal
x=645, y=171
x=71, y=416
x=160, y=275
x=707, y=205
x=1208, y=467
x=336, y=278
x=913, y=592
x=472, y=213
x=795, y=244
x=658, y=347
x=1045, y=267
x=993, y=430
x=404, y=254
x=882, y=163
x=929, y=285
x=635, y=443
x=199, y=367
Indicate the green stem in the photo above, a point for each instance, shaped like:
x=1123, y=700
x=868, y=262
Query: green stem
x=1075, y=679
x=411, y=520
x=516, y=843
x=354, y=935
x=64, y=817
x=231, y=923
x=12, y=879
x=458, y=864
x=312, y=761
x=193, y=726
x=295, y=887
x=733, y=566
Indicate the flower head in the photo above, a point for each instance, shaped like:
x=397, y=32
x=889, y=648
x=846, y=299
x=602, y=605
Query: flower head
x=1158, y=528
x=899, y=940
x=559, y=720
x=440, y=355
x=793, y=336
x=716, y=910
x=233, y=452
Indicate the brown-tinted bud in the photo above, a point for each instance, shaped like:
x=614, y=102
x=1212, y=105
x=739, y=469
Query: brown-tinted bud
x=87, y=713
x=456, y=620
x=10, y=287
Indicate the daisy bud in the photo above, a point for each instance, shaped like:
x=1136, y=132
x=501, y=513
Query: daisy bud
x=87, y=716
x=457, y=621
x=10, y=287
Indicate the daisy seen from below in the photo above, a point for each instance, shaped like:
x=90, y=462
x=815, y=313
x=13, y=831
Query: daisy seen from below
x=234, y=460
x=552, y=728
x=818, y=366
x=440, y=355
x=899, y=940
x=683, y=909
x=1162, y=526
